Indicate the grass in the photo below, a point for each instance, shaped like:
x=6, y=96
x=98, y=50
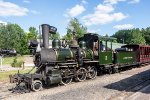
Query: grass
x=4, y=76
x=9, y=60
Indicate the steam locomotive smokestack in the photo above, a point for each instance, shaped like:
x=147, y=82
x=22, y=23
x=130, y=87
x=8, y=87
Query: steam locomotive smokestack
x=45, y=35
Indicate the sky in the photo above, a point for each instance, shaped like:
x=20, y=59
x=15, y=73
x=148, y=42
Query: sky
x=100, y=16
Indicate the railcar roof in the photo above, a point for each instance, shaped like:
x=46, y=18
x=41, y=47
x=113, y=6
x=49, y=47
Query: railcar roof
x=102, y=38
x=135, y=45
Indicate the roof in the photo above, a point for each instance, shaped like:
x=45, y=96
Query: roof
x=102, y=38
x=136, y=45
x=114, y=45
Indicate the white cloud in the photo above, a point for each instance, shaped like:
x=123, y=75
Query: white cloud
x=11, y=9
x=123, y=26
x=134, y=1
x=112, y=1
x=84, y=2
x=75, y=11
x=26, y=1
x=104, y=8
x=103, y=14
x=3, y=23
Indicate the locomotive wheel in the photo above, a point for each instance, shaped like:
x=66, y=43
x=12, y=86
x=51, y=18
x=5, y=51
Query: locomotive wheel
x=115, y=70
x=110, y=70
x=36, y=85
x=81, y=74
x=92, y=72
x=66, y=79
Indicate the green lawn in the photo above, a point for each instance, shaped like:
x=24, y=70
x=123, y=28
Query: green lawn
x=4, y=76
x=9, y=60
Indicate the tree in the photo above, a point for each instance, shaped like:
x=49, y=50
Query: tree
x=32, y=34
x=123, y=36
x=75, y=26
x=54, y=36
x=133, y=36
x=68, y=36
x=146, y=33
x=137, y=37
x=13, y=36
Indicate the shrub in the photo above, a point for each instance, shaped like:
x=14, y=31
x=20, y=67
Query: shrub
x=16, y=63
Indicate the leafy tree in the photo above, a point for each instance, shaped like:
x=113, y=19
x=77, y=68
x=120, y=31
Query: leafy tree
x=55, y=36
x=68, y=36
x=75, y=26
x=24, y=47
x=133, y=36
x=123, y=36
x=12, y=36
x=146, y=33
x=137, y=37
x=32, y=34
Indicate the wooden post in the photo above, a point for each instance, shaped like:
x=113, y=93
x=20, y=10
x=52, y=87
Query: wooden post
x=1, y=62
x=23, y=65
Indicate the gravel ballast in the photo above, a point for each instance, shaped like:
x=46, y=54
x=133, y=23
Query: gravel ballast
x=102, y=88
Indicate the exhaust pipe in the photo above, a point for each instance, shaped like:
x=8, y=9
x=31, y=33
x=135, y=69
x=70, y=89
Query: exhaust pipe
x=45, y=35
x=46, y=29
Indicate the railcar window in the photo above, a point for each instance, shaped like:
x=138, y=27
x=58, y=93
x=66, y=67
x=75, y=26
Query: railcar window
x=130, y=49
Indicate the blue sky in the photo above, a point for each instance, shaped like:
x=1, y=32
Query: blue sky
x=101, y=16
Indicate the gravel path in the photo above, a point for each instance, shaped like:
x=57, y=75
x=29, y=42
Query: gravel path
x=143, y=94
x=8, y=68
x=102, y=88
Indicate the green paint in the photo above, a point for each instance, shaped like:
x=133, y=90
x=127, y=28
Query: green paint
x=105, y=57
x=88, y=54
x=125, y=57
x=56, y=43
x=64, y=54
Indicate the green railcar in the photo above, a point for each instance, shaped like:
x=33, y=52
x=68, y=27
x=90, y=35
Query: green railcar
x=125, y=58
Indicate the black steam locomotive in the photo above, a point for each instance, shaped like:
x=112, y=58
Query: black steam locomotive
x=80, y=60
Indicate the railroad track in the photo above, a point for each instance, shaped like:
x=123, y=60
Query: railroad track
x=125, y=94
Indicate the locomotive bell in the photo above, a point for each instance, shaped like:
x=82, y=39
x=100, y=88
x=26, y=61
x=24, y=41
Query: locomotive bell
x=56, y=43
x=82, y=44
x=73, y=44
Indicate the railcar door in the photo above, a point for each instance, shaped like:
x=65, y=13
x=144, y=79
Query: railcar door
x=105, y=57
